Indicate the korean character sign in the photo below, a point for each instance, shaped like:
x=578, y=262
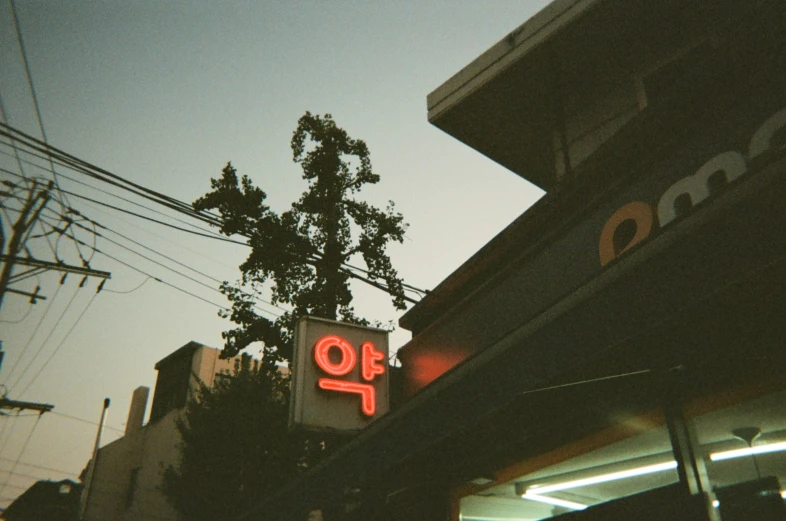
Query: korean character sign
x=339, y=375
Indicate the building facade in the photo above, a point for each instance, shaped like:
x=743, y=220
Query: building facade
x=128, y=474
x=617, y=351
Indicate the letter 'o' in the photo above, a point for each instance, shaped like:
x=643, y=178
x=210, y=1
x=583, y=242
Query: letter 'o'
x=639, y=212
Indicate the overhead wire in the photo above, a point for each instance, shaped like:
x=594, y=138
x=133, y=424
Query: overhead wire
x=27, y=313
x=37, y=328
x=40, y=467
x=204, y=233
x=21, y=452
x=30, y=83
x=166, y=257
x=212, y=288
x=168, y=240
x=83, y=420
x=171, y=202
x=148, y=278
x=149, y=259
x=8, y=436
x=52, y=355
x=13, y=142
x=73, y=180
x=210, y=277
x=96, y=172
x=157, y=279
x=61, y=198
x=13, y=385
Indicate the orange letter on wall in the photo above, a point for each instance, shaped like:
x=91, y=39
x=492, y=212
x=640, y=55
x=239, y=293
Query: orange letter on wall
x=638, y=212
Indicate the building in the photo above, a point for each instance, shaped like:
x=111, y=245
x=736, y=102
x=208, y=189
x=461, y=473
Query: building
x=46, y=501
x=617, y=351
x=127, y=478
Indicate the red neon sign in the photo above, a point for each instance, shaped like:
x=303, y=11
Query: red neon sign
x=370, y=358
x=323, y=361
x=370, y=368
x=368, y=399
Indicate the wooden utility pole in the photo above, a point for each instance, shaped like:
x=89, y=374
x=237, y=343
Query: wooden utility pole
x=35, y=203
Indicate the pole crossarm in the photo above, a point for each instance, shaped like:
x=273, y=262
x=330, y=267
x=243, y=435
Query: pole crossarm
x=32, y=406
x=33, y=296
x=29, y=261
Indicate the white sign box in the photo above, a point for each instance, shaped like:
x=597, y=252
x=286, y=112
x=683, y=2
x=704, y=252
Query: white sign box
x=339, y=375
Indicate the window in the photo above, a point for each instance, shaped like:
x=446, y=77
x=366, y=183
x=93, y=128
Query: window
x=132, y=483
x=743, y=447
x=626, y=459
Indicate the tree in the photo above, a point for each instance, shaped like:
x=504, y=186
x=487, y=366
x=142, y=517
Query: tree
x=235, y=447
x=302, y=253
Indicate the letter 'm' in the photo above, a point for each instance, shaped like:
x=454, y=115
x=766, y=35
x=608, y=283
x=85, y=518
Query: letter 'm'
x=696, y=186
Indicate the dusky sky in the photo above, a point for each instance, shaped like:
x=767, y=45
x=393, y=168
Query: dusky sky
x=165, y=93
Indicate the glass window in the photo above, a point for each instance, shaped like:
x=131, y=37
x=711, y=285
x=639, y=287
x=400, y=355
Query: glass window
x=743, y=446
x=632, y=457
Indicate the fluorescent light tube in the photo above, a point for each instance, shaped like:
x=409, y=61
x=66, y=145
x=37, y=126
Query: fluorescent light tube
x=603, y=478
x=554, y=501
x=487, y=518
x=748, y=451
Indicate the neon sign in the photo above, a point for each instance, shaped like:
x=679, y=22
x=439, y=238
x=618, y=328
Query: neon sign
x=370, y=369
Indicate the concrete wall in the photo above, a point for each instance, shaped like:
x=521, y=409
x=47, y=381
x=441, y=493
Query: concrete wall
x=145, y=451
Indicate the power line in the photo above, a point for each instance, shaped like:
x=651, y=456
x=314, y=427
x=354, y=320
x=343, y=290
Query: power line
x=43, y=344
x=154, y=277
x=130, y=290
x=21, y=452
x=172, y=270
x=51, y=356
x=37, y=328
x=168, y=258
x=201, y=234
x=40, y=156
x=30, y=83
x=21, y=475
x=96, y=172
x=13, y=142
x=38, y=467
x=85, y=421
x=8, y=437
x=206, y=234
x=168, y=201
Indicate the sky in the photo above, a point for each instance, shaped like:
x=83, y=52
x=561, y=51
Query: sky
x=165, y=94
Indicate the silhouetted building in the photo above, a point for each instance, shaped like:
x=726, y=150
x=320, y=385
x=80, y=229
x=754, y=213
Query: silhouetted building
x=128, y=475
x=617, y=352
x=46, y=501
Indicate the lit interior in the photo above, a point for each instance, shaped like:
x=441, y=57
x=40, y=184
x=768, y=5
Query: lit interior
x=643, y=462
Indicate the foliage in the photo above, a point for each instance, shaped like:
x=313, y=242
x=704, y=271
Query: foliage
x=235, y=447
x=300, y=255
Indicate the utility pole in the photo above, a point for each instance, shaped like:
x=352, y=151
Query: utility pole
x=34, y=203
x=92, y=468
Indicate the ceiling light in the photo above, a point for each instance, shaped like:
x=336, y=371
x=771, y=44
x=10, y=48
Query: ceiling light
x=603, y=478
x=554, y=501
x=749, y=451
x=482, y=481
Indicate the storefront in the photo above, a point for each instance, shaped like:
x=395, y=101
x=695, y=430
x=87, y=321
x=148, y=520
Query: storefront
x=618, y=351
